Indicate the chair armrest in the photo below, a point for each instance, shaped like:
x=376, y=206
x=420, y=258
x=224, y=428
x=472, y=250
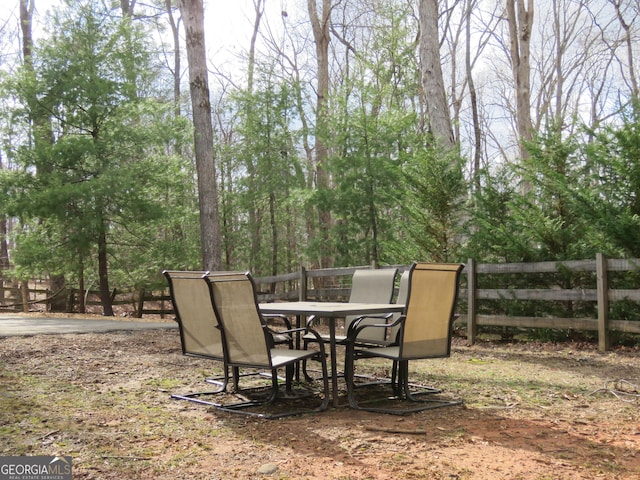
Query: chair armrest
x=356, y=322
x=278, y=316
x=301, y=330
x=282, y=332
x=386, y=316
x=355, y=328
x=319, y=339
x=277, y=336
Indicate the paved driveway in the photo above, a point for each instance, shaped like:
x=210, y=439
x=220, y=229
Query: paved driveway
x=17, y=325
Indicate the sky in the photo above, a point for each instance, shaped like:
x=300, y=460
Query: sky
x=228, y=23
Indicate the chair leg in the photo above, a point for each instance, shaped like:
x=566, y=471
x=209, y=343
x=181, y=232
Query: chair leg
x=220, y=381
x=401, y=388
x=235, y=372
x=243, y=407
x=349, y=370
x=373, y=381
x=290, y=370
x=307, y=377
x=325, y=379
x=195, y=397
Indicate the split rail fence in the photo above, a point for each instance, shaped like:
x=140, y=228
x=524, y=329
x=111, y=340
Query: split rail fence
x=480, y=287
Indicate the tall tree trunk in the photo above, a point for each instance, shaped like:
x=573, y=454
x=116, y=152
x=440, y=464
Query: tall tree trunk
x=4, y=253
x=306, y=134
x=192, y=12
x=258, y=6
x=320, y=22
x=4, y=246
x=520, y=18
x=629, y=44
x=41, y=133
x=176, y=58
x=103, y=272
x=435, y=96
x=255, y=216
x=473, y=98
x=82, y=305
x=274, y=236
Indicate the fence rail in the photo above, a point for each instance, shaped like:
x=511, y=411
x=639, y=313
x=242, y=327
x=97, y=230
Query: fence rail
x=595, y=290
x=602, y=294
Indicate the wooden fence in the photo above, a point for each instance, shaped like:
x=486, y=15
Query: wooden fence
x=601, y=293
x=37, y=296
x=595, y=289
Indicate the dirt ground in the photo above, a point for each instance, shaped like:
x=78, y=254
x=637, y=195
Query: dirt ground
x=531, y=411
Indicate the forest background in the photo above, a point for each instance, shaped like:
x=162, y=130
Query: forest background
x=343, y=133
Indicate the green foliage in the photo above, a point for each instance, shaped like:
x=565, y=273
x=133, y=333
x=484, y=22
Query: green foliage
x=367, y=176
x=373, y=130
x=582, y=199
x=433, y=203
x=260, y=172
x=491, y=230
x=98, y=162
x=528, y=212
x=610, y=193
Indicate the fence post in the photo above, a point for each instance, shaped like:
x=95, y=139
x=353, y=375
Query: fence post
x=604, y=340
x=472, y=328
x=302, y=284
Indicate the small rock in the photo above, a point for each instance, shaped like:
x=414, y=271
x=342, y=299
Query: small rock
x=268, y=469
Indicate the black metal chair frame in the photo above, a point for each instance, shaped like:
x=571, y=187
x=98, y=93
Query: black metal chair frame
x=275, y=357
x=401, y=388
x=210, y=330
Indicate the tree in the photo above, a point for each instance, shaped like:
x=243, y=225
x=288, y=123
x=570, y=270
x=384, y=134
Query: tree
x=177, y=69
x=627, y=27
x=610, y=197
x=192, y=12
x=433, y=208
x=520, y=20
x=373, y=124
x=320, y=24
x=250, y=155
x=439, y=117
x=101, y=163
x=4, y=246
x=266, y=142
x=41, y=131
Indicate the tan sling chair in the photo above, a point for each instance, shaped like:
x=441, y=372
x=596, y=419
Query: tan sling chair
x=200, y=334
x=248, y=345
x=424, y=331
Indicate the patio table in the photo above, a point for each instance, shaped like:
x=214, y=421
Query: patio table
x=331, y=311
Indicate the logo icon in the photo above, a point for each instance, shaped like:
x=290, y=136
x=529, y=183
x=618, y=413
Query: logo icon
x=35, y=468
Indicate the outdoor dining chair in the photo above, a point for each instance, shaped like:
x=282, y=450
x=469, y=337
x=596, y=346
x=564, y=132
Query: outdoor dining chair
x=248, y=344
x=424, y=331
x=390, y=334
x=367, y=286
x=200, y=334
